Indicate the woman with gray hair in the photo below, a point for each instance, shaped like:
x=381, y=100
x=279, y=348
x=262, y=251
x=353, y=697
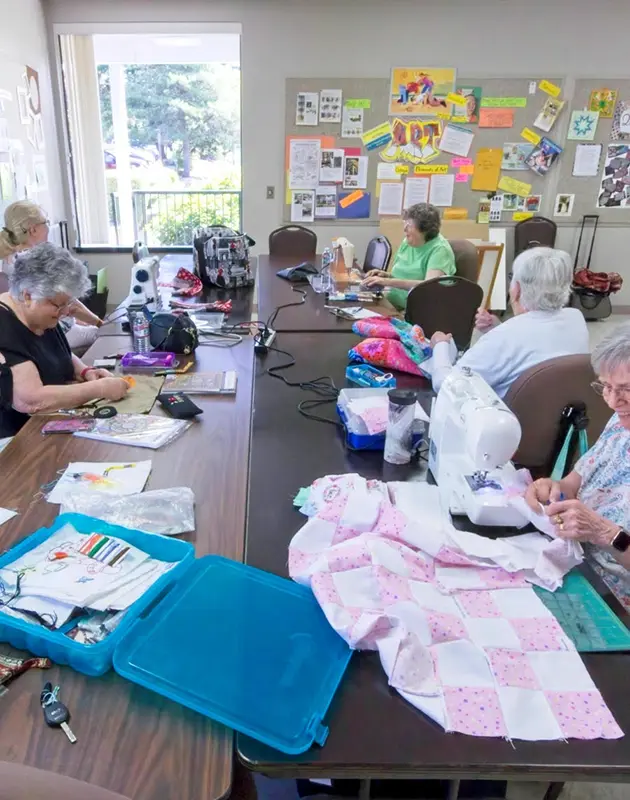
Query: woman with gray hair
x=592, y=504
x=541, y=328
x=423, y=254
x=46, y=375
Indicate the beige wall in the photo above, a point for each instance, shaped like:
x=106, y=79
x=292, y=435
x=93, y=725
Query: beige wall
x=331, y=38
x=23, y=40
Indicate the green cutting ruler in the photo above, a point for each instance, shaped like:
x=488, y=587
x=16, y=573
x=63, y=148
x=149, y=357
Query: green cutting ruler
x=585, y=616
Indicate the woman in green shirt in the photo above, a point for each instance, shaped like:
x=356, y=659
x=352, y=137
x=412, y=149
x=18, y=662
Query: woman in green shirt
x=423, y=254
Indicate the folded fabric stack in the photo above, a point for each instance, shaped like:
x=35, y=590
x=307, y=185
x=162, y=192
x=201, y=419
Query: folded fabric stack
x=391, y=344
x=460, y=632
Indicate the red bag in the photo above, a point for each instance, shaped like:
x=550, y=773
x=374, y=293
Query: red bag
x=600, y=282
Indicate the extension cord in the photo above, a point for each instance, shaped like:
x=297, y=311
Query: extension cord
x=266, y=339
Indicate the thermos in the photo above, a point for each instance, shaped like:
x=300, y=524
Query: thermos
x=399, y=434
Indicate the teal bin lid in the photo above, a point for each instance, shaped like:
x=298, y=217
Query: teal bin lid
x=243, y=647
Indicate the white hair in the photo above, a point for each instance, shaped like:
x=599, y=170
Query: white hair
x=47, y=270
x=545, y=277
x=613, y=351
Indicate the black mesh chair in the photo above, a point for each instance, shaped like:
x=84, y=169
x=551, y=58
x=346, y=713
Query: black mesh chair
x=293, y=240
x=446, y=304
x=378, y=254
x=534, y=232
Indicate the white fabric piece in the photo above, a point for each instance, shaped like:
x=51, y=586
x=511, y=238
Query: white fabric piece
x=527, y=715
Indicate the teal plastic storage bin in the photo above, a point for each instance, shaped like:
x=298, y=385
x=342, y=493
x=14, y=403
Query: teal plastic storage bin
x=241, y=646
x=94, y=659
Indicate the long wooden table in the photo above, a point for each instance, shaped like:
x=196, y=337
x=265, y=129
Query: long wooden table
x=374, y=732
x=310, y=316
x=131, y=740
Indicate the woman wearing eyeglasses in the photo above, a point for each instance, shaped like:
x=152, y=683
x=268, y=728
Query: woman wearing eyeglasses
x=592, y=504
x=423, y=254
x=26, y=226
x=46, y=375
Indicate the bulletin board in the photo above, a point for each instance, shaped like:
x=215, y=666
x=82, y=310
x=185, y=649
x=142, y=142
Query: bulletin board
x=23, y=167
x=586, y=190
x=377, y=91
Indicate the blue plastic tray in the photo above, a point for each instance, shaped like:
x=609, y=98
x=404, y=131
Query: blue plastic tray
x=92, y=659
x=243, y=647
x=375, y=441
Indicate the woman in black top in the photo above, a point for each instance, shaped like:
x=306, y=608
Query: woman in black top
x=46, y=375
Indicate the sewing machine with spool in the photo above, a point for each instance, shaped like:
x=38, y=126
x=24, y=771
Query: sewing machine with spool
x=473, y=436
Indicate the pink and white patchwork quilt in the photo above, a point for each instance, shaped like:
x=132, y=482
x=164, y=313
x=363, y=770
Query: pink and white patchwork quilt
x=460, y=632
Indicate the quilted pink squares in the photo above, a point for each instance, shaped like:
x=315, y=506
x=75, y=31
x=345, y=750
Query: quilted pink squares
x=445, y=627
x=512, y=668
x=478, y=604
x=474, y=711
x=583, y=715
x=541, y=633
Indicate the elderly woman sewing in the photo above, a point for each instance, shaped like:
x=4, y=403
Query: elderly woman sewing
x=592, y=504
x=423, y=254
x=46, y=375
x=541, y=328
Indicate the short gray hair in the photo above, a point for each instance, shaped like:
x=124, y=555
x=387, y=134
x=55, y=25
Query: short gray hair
x=545, y=276
x=426, y=218
x=47, y=270
x=613, y=351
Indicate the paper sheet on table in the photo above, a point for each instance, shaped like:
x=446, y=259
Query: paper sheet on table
x=456, y=140
x=105, y=477
x=416, y=191
x=391, y=199
x=441, y=192
x=586, y=161
x=6, y=514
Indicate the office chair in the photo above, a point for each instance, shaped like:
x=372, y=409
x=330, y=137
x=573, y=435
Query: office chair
x=293, y=240
x=19, y=782
x=534, y=232
x=378, y=254
x=538, y=398
x=466, y=259
x=446, y=304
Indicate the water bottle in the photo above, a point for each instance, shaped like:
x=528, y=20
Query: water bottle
x=140, y=333
x=399, y=434
x=327, y=285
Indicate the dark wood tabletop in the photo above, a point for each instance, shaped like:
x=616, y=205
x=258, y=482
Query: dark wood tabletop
x=130, y=740
x=374, y=732
x=308, y=316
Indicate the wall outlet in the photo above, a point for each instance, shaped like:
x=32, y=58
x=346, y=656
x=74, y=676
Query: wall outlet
x=271, y=192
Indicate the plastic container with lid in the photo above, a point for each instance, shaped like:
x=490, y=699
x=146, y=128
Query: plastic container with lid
x=241, y=646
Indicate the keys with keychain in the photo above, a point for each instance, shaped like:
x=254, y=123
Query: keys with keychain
x=56, y=715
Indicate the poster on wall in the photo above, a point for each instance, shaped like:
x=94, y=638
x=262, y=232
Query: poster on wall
x=355, y=172
x=543, y=156
x=614, y=191
x=325, y=202
x=331, y=166
x=603, y=101
x=414, y=141
x=515, y=155
x=563, y=207
x=307, y=108
x=304, y=163
x=330, y=105
x=549, y=113
x=302, y=206
x=470, y=112
x=583, y=125
x=351, y=123
x=620, y=130
x=420, y=91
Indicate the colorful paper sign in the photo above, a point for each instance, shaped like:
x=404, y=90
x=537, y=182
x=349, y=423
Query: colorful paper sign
x=496, y=117
x=530, y=136
x=503, y=102
x=358, y=103
x=351, y=198
x=418, y=91
x=467, y=169
x=462, y=177
x=550, y=88
x=460, y=120
x=512, y=186
x=456, y=99
x=519, y=216
x=443, y=114
x=431, y=169
x=487, y=169
x=461, y=162
x=455, y=213
x=402, y=169
x=377, y=137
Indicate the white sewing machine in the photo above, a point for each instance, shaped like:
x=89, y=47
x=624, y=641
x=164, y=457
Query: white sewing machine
x=473, y=432
x=143, y=290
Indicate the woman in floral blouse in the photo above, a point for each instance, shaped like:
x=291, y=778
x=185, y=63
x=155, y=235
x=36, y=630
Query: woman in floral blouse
x=592, y=504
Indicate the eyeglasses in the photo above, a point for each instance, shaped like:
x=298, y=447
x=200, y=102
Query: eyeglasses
x=606, y=388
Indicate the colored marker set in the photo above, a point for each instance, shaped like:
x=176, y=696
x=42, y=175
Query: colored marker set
x=104, y=549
